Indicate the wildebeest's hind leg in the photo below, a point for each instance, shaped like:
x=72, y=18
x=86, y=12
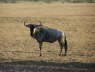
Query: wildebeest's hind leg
x=40, y=47
x=63, y=44
x=61, y=47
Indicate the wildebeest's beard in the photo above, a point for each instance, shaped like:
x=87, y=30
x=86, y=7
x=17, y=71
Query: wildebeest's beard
x=31, y=27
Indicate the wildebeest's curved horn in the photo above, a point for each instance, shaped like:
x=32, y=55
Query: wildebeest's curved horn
x=40, y=22
x=24, y=23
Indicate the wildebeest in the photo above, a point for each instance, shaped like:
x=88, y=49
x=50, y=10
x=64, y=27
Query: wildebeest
x=44, y=34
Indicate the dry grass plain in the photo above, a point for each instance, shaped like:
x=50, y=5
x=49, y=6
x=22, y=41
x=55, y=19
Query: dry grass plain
x=77, y=20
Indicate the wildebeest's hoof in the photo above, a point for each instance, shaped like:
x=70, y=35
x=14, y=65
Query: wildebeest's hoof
x=64, y=54
x=59, y=54
x=40, y=55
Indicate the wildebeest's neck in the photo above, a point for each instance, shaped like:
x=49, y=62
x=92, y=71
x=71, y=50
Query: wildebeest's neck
x=31, y=31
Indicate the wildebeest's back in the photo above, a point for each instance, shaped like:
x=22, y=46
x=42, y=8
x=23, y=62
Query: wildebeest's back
x=51, y=34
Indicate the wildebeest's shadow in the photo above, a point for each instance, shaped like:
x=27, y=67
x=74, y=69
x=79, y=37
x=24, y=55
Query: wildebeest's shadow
x=41, y=64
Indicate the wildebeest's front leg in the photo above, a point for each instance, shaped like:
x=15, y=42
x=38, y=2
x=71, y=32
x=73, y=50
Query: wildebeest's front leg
x=40, y=47
x=61, y=44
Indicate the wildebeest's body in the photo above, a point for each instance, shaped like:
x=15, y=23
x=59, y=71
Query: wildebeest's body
x=45, y=34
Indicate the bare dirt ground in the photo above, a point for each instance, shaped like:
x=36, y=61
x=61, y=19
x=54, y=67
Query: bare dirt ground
x=20, y=53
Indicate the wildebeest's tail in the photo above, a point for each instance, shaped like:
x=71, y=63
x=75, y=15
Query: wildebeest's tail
x=65, y=43
x=65, y=46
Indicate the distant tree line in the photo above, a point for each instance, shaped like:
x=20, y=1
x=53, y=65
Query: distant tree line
x=72, y=1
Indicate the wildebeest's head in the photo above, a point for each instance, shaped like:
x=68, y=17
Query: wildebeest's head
x=32, y=27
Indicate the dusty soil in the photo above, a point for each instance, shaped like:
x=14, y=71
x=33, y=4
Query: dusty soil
x=76, y=20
